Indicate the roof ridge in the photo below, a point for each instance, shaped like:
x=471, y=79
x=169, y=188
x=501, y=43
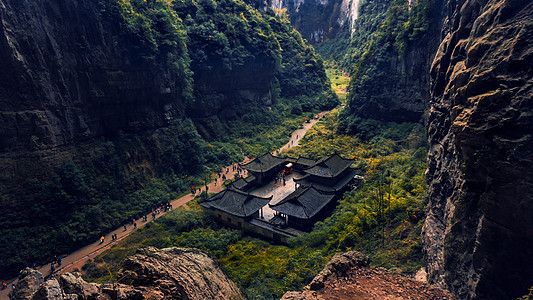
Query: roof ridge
x=231, y=188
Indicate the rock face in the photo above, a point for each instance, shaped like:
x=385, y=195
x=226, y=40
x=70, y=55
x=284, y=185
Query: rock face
x=70, y=77
x=29, y=281
x=347, y=276
x=478, y=232
x=316, y=20
x=71, y=74
x=171, y=273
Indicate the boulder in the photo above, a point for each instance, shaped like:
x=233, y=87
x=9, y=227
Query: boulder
x=172, y=273
x=49, y=290
x=28, y=283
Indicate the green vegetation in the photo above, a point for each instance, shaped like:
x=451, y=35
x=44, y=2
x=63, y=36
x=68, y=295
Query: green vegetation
x=373, y=56
x=155, y=33
x=339, y=80
x=106, y=184
x=528, y=296
x=382, y=218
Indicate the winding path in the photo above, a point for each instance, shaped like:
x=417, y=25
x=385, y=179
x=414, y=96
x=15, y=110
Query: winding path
x=78, y=258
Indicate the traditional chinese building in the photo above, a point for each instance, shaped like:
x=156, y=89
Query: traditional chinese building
x=318, y=186
x=265, y=167
x=245, y=184
x=234, y=207
x=303, y=162
x=331, y=173
x=304, y=207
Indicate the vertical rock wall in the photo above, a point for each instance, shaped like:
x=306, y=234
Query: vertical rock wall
x=316, y=20
x=479, y=228
x=69, y=74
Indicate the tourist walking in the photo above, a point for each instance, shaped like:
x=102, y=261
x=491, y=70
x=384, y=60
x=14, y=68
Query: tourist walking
x=102, y=239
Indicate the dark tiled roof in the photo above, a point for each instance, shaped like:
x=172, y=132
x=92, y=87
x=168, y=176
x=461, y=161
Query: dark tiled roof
x=329, y=166
x=264, y=163
x=339, y=185
x=244, y=183
x=235, y=202
x=251, y=178
x=305, y=177
x=305, y=161
x=239, y=184
x=303, y=203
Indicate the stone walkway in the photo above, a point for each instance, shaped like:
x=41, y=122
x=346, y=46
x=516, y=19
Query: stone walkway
x=78, y=258
x=278, y=191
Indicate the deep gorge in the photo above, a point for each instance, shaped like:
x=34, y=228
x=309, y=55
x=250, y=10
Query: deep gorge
x=109, y=107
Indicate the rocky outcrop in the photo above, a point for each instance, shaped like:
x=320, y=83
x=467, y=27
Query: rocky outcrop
x=478, y=233
x=172, y=273
x=348, y=276
x=50, y=290
x=29, y=281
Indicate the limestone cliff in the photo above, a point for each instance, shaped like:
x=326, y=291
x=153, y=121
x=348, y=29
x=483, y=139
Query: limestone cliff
x=171, y=273
x=316, y=20
x=68, y=74
x=391, y=51
x=478, y=232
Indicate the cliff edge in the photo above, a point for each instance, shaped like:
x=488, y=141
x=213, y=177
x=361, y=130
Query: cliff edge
x=478, y=233
x=348, y=276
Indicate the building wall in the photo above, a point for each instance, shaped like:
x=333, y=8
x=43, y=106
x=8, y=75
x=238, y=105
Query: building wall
x=227, y=219
x=244, y=224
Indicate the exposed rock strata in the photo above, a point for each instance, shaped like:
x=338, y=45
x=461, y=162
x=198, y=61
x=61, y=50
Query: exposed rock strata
x=347, y=276
x=73, y=76
x=478, y=233
x=171, y=273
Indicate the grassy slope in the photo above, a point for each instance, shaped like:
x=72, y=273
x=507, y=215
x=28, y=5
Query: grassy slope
x=339, y=81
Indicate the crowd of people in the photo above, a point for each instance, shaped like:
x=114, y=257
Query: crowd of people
x=221, y=177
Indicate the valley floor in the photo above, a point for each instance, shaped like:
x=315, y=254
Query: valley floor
x=77, y=259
